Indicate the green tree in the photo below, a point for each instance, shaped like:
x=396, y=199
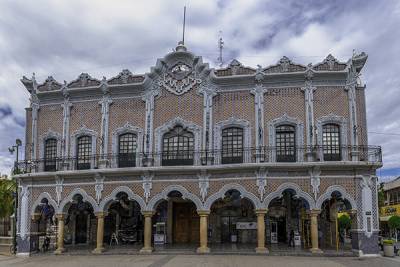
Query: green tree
x=7, y=188
x=394, y=224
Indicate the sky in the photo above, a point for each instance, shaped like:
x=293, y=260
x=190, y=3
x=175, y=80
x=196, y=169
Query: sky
x=102, y=37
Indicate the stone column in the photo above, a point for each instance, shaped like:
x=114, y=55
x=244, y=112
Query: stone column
x=314, y=231
x=100, y=233
x=147, y=248
x=203, y=232
x=261, y=231
x=60, y=236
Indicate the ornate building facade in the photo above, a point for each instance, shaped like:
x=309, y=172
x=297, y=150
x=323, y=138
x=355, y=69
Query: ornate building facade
x=195, y=155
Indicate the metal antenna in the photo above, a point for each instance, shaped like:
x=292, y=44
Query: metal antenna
x=184, y=22
x=220, y=46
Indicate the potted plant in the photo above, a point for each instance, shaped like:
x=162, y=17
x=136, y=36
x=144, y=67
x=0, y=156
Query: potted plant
x=388, y=248
x=344, y=226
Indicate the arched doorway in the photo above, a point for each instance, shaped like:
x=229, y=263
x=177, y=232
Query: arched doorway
x=335, y=223
x=80, y=222
x=288, y=222
x=176, y=221
x=233, y=221
x=123, y=223
x=44, y=225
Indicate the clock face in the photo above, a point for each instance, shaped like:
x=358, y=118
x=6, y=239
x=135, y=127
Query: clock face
x=180, y=71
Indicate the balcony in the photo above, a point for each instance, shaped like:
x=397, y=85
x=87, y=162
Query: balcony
x=367, y=154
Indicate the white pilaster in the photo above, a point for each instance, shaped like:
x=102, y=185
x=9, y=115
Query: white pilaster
x=258, y=93
x=308, y=90
x=105, y=110
x=67, y=105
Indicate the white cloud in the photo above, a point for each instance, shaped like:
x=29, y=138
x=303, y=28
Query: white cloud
x=65, y=38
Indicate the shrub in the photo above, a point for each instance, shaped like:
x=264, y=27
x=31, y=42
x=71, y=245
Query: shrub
x=389, y=242
x=344, y=222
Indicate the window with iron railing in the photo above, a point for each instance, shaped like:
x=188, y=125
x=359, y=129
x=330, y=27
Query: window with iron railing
x=232, y=145
x=178, y=147
x=83, y=152
x=127, y=145
x=331, y=142
x=50, y=155
x=285, y=143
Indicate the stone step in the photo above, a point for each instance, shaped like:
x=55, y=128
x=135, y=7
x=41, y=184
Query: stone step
x=5, y=240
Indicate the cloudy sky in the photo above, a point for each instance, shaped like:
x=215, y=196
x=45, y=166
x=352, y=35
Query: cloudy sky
x=102, y=37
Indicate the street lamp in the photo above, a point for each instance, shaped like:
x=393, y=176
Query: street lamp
x=12, y=149
x=15, y=148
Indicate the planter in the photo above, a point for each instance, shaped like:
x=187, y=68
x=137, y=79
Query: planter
x=388, y=250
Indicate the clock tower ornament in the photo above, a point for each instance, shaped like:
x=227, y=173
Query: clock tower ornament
x=179, y=79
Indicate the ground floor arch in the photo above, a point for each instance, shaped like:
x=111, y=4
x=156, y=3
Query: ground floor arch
x=288, y=221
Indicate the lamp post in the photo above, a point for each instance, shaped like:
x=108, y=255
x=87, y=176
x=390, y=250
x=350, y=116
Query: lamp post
x=12, y=149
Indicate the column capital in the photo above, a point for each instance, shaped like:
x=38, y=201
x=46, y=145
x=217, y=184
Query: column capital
x=352, y=212
x=261, y=211
x=203, y=213
x=147, y=213
x=100, y=214
x=36, y=216
x=315, y=212
x=60, y=216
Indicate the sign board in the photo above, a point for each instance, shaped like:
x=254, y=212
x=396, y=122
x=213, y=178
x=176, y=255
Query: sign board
x=246, y=225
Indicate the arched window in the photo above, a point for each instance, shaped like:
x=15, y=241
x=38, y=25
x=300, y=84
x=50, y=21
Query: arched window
x=127, y=145
x=331, y=142
x=232, y=145
x=83, y=152
x=285, y=143
x=178, y=147
x=50, y=154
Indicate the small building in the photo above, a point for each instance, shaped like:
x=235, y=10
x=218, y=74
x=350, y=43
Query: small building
x=391, y=206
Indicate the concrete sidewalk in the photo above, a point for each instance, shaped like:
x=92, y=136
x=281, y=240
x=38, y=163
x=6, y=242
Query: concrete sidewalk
x=193, y=261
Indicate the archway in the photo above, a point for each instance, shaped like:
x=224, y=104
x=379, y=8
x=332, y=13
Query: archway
x=233, y=221
x=288, y=223
x=336, y=219
x=176, y=221
x=43, y=224
x=123, y=223
x=80, y=222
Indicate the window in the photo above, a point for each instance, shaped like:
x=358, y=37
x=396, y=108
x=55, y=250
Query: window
x=84, y=152
x=232, y=145
x=50, y=155
x=178, y=147
x=331, y=142
x=285, y=143
x=127, y=146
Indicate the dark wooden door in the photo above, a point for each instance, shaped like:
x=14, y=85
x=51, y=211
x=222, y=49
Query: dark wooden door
x=186, y=223
x=81, y=228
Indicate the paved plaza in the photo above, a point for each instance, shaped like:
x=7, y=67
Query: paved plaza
x=192, y=261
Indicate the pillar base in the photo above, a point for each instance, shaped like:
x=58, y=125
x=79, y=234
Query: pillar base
x=316, y=250
x=59, y=251
x=146, y=250
x=262, y=250
x=98, y=250
x=203, y=250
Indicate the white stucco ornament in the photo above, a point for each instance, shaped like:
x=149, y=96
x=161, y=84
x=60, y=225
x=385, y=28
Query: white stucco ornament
x=179, y=79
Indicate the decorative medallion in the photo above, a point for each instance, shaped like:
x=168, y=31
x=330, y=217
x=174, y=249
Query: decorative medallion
x=179, y=79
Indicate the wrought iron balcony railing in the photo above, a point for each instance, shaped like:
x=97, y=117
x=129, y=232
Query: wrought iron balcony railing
x=370, y=154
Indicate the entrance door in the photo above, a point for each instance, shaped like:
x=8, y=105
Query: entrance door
x=228, y=229
x=274, y=232
x=282, y=237
x=186, y=223
x=81, y=228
